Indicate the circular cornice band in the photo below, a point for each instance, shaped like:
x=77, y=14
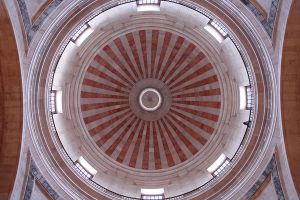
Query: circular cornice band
x=150, y=99
x=41, y=107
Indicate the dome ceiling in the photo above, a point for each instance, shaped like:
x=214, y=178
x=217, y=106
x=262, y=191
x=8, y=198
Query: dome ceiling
x=150, y=99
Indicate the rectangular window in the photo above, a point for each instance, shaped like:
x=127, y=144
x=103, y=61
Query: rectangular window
x=152, y=197
x=222, y=168
x=58, y=101
x=52, y=104
x=84, y=168
x=219, y=165
x=216, y=30
x=246, y=98
x=82, y=171
x=152, y=194
x=55, y=102
x=249, y=95
x=148, y=5
x=217, y=26
x=82, y=34
x=243, y=98
x=147, y=2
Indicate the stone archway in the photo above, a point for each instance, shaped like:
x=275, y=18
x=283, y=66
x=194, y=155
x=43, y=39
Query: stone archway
x=10, y=105
x=290, y=94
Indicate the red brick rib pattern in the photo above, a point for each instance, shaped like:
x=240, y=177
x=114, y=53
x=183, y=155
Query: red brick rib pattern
x=182, y=131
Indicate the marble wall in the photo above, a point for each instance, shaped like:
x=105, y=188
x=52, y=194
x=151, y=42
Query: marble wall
x=10, y=105
x=37, y=186
x=290, y=83
x=32, y=26
x=268, y=21
x=26, y=10
x=271, y=172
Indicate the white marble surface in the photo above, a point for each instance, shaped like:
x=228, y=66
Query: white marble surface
x=268, y=193
x=33, y=6
x=266, y=4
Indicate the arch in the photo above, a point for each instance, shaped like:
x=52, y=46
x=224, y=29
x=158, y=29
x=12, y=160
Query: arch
x=10, y=105
x=290, y=82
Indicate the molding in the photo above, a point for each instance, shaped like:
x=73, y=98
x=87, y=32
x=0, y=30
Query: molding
x=261, y=189
x=41, y=10
x=262, y=10
x=30, y=27
x=251, y=156
x=269, y=21
x=35, y=175
x=271, y=170
x=89, y=47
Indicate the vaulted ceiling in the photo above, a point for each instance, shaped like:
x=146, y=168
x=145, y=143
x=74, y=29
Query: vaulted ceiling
x=134, y=61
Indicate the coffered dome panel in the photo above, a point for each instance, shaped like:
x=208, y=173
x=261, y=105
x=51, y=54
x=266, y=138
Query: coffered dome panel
x=112, y=108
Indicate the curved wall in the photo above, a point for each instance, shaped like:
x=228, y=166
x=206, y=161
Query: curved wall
x=10, y=105
x=249, y=159
x=290, y=93
x=49, y=14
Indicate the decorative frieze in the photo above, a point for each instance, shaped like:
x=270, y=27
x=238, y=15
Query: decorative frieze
x=271, y=170
x=30, y=27
x=268, y=21
x=35, y=175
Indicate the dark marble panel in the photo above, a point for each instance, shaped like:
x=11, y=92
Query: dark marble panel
x=30, y=28
x=35, y=175
x=271, y=169
x=269, y=22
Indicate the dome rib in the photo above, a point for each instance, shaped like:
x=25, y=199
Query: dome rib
x=154, y=46
x=132, y=45
x=188, y=51
x=173, y=54
x=109, y=67
x=164, y=62
x=108, y=50
x=165, y=46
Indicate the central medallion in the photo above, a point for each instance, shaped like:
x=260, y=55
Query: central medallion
x=150, y=99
